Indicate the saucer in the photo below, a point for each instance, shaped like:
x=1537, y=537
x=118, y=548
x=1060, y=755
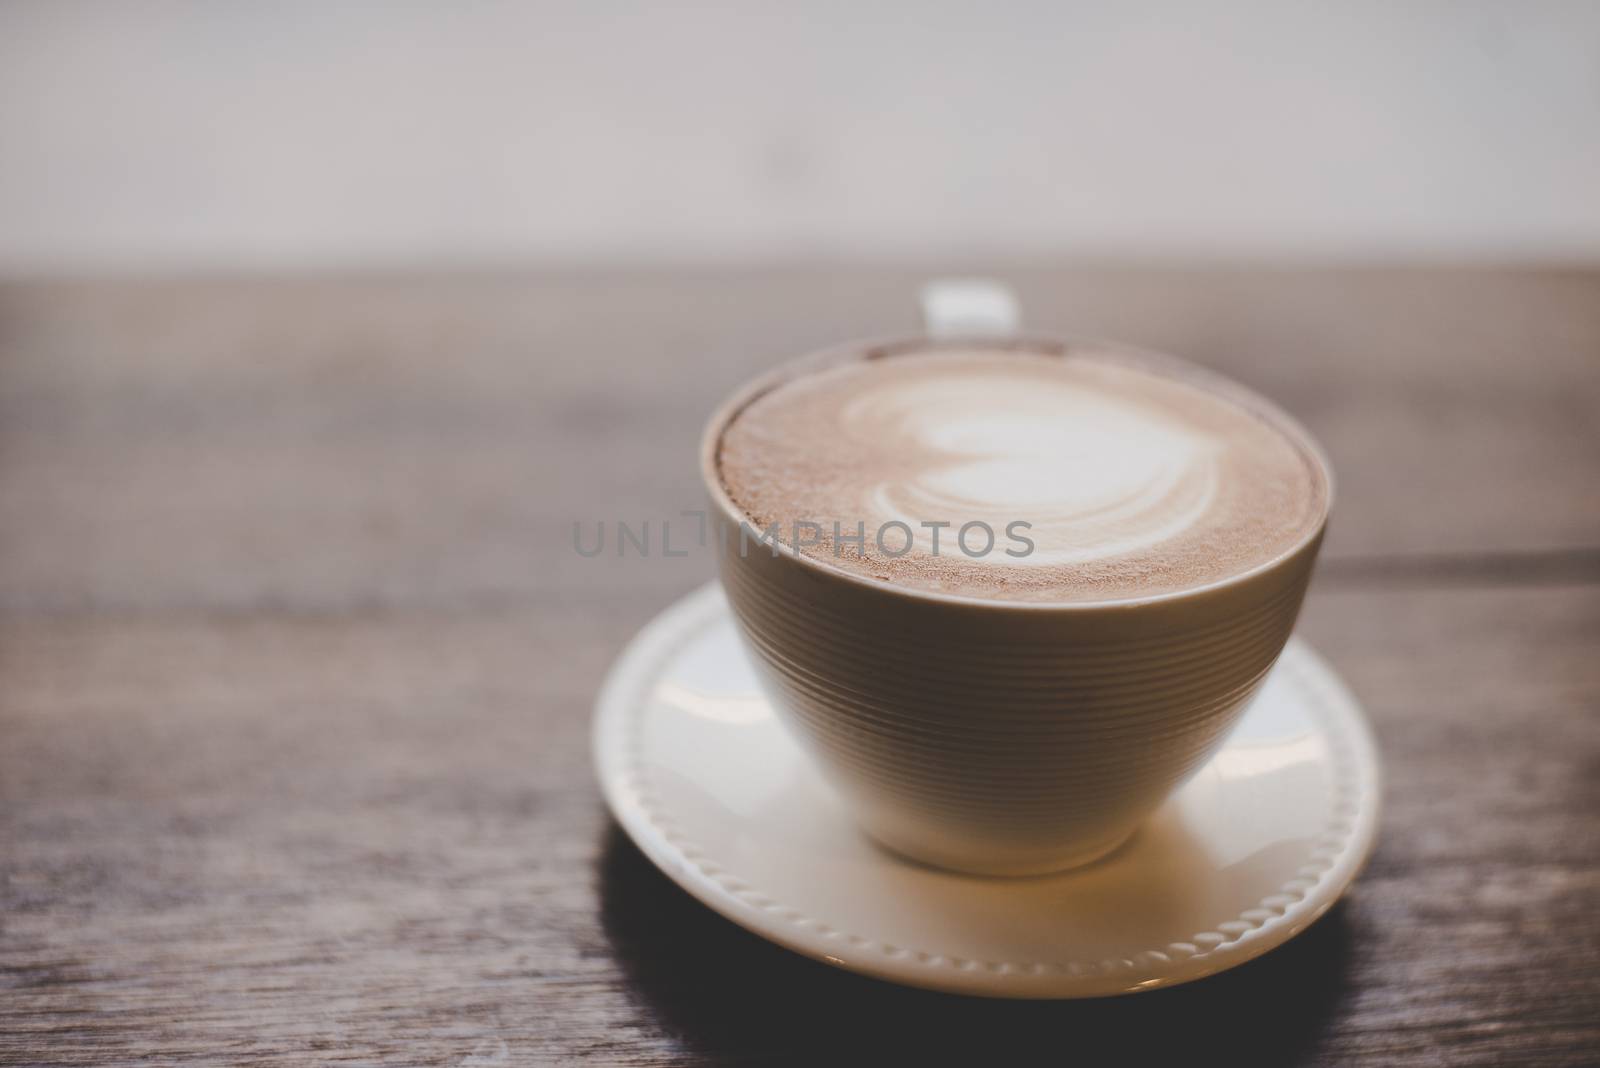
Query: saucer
x=1247, y=854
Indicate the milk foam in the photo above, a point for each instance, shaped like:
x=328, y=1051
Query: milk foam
x=1130, y=481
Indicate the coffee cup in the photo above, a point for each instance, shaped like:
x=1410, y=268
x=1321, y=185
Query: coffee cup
x=1018, y=727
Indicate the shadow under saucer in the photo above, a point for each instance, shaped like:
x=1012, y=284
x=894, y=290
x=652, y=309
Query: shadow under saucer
x=724, y=991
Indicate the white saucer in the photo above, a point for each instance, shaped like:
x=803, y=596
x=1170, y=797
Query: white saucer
x=1245, y=856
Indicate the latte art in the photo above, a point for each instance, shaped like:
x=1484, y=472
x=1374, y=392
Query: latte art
x=1093, y=478
x=1122, y=480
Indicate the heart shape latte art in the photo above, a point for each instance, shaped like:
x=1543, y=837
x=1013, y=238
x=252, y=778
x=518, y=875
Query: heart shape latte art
x=1094, y=478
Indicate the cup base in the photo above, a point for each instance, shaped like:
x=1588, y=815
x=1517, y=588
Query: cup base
x=996, y=864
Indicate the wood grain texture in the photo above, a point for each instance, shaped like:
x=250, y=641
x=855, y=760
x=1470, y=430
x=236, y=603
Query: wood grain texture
x=296, y=664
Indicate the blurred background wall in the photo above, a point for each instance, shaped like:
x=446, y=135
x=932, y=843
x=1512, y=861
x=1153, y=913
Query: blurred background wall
x=229, y=134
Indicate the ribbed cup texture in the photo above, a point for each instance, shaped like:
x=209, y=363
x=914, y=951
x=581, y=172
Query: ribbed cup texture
x=999, y=737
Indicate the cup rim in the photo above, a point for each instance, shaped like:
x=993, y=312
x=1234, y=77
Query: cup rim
x=853, y=351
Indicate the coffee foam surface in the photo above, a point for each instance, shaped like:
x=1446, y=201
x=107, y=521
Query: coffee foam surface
x=1133, y=480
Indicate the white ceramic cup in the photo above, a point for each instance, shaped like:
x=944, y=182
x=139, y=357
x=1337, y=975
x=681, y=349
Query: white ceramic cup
x=1000, y=738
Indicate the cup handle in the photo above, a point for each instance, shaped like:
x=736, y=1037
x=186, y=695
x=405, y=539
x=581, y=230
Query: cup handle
x=969, y=307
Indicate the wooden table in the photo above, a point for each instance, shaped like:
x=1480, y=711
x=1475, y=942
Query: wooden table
x=297, y=661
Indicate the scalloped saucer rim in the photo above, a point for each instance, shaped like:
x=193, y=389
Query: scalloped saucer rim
x=1243, y=857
